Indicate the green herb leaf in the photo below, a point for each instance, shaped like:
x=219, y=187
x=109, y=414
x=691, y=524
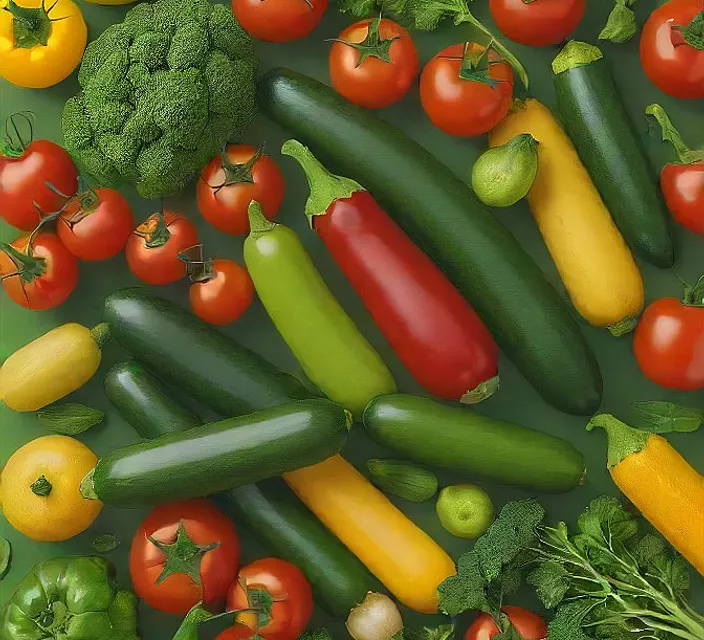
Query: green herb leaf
x=647, y=549
x=105, y=543
x=5, y=556
x=666, y=417
x=443, y=632
x=693, y=33
x=194, y=618
x=606, y=520
x=551, y=581
x=69, y=419
x=621, y=25
x=466, y=590
x=567, y=623
x=318, y=634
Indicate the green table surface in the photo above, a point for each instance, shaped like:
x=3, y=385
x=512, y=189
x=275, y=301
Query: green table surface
x=516, y=401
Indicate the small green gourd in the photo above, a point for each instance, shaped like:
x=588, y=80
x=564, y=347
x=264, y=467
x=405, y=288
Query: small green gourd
x=403, y=479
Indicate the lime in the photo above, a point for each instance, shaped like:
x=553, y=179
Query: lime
x=465, y=510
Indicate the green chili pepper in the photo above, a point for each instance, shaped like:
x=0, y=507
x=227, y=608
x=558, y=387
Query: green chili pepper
x=70, y=599
x=333, y=353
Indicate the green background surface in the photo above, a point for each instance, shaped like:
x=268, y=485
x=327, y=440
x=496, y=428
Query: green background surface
x=516, y=401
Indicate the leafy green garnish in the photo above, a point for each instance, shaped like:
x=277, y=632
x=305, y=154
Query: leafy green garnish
x=621, y=25
x=69, y=419
x=194, y=618
x=693, y=33
x=443, y=632
x=318, y=634
x=5, y=556
x=105, y=543
x=666, y=417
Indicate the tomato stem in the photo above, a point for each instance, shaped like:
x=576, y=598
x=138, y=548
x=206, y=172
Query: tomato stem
x=694, y=295
x=373, y=46
x=41, y=487
x=237, y=173
x=14, y=147
x=154, y=230
x=671, y=135
x=28, y=266
x=691, y=34
x=197, y=269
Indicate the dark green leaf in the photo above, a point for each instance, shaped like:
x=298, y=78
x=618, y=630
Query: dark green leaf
x=69, y=419
x=567, y=623
x=647, y=548
x=105, y=543
x=5, y=556
x=320, y=634
x=189, y=626
x=621, y=25
x=443, y=632
x=466, y=590
x=666, y=417
x=509, y=634
x=510, y=580
x=605, y=519
x=693, y=33
x=551, y=581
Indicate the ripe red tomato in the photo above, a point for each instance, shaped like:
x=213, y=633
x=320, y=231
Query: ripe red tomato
x=224, y=292
x=292, y=601
x=40, y=275
x=23, y=182
x=380, y=69
x=184, y=553
x=95, y=225
x=669, y=341
x=279, y=20
x=529, y=625
x=674, y=66
x=537, y=23
x=683, y=187
x=153, y=248
x=229, y=183
x=466, y=106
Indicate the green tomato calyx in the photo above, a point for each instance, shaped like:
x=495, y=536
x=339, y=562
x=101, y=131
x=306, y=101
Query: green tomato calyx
x=182, y=555
x=41, y=487
x=373, y=46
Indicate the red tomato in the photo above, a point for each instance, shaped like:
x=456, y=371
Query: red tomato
x=231, y=181
x=38, y=276
x=674, y=66
x=380, y=69
x=96, y=224
x=279, y=20
x=537, y=23
x=683, y=187
x=196, y=537
x=23, y=182
x=669, y=341
x=153, y=248
x=290, y=591
x=529, y=625
x=224, y=294
x=463, y=107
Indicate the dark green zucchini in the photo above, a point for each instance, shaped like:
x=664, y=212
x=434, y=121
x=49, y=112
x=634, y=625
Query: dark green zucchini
x=189, y=354
x=594, y=116
x=223, y=455
x=455, y=437
x=527, y=316
x=143, y=402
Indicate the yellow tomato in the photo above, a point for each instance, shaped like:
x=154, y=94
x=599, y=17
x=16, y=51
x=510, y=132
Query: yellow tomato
x=40, y=489
x=41, y=41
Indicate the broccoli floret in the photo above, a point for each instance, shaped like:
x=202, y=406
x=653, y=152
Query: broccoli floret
x=227, y=34
x=115, y=38
x=189, y=47
x=150, y=49
x=139, y=20
x=77, y=134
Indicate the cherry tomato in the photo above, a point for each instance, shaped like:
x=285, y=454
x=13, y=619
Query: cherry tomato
x=292, y=595
x=537, y=23
x=529, y=625
x=231, y=181
x=669, y=341
x=462, y=106
x=279, y=20
x=38, y=275
x=373, y=63
x=683, y=187
x=223, y=292
x=153, y=248
x=95, y=225
x=23, y=182
x=184, y=553
x=675, y=66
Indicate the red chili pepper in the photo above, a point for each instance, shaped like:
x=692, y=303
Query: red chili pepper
x=434, y=331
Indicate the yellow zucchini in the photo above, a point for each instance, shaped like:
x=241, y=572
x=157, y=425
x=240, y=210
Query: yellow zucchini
x=594, y=261
x=403, y=557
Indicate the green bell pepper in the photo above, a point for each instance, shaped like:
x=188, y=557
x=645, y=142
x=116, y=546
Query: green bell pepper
x=70, y=599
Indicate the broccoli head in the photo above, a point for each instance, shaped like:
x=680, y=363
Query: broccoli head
x=161, y=93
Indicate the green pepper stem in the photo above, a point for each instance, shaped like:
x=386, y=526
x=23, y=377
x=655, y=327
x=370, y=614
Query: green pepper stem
x=623, y=327
x=623, y=440
x=100, y=334
x=481, y=392
x=259, y=224
x=31, y=26
x=575, y=54
x=672, y=135
x=87, y=487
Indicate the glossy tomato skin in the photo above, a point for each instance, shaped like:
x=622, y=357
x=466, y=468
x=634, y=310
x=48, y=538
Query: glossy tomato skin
x=292, y=595
x=375, y=83
x=160, y=264
x=23, y=181
x=226, y=208
x=225, y=296
x=669, y=344
x=529, y=625
x=279, y=20
x=683, y=188
x=538, y=23
x=55, y=283
x=465, y=107
x=205, y=525
x=431, y=327
x=674, y=66
x=97, y=226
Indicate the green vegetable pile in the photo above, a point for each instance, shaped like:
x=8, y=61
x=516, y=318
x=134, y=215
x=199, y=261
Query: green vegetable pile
x=162, y=92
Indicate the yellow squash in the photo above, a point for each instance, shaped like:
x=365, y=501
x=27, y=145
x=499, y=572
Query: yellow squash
x=402, y=556
x=660, y=483
x=593, y=259
x=52, y=366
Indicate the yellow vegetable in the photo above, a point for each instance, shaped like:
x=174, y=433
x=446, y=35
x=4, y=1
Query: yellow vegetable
x=51, y=367
x=41, y=41
x=39, y=489
x=406, y=560
x=660, y=483
x=593, y=259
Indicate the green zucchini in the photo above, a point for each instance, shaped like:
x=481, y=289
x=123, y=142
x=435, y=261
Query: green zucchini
x=290, y=531
x=187, y=353
x=456, y=438
x=143, y=402
x=595, y=118
x=527, y=316
x=218, y=456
